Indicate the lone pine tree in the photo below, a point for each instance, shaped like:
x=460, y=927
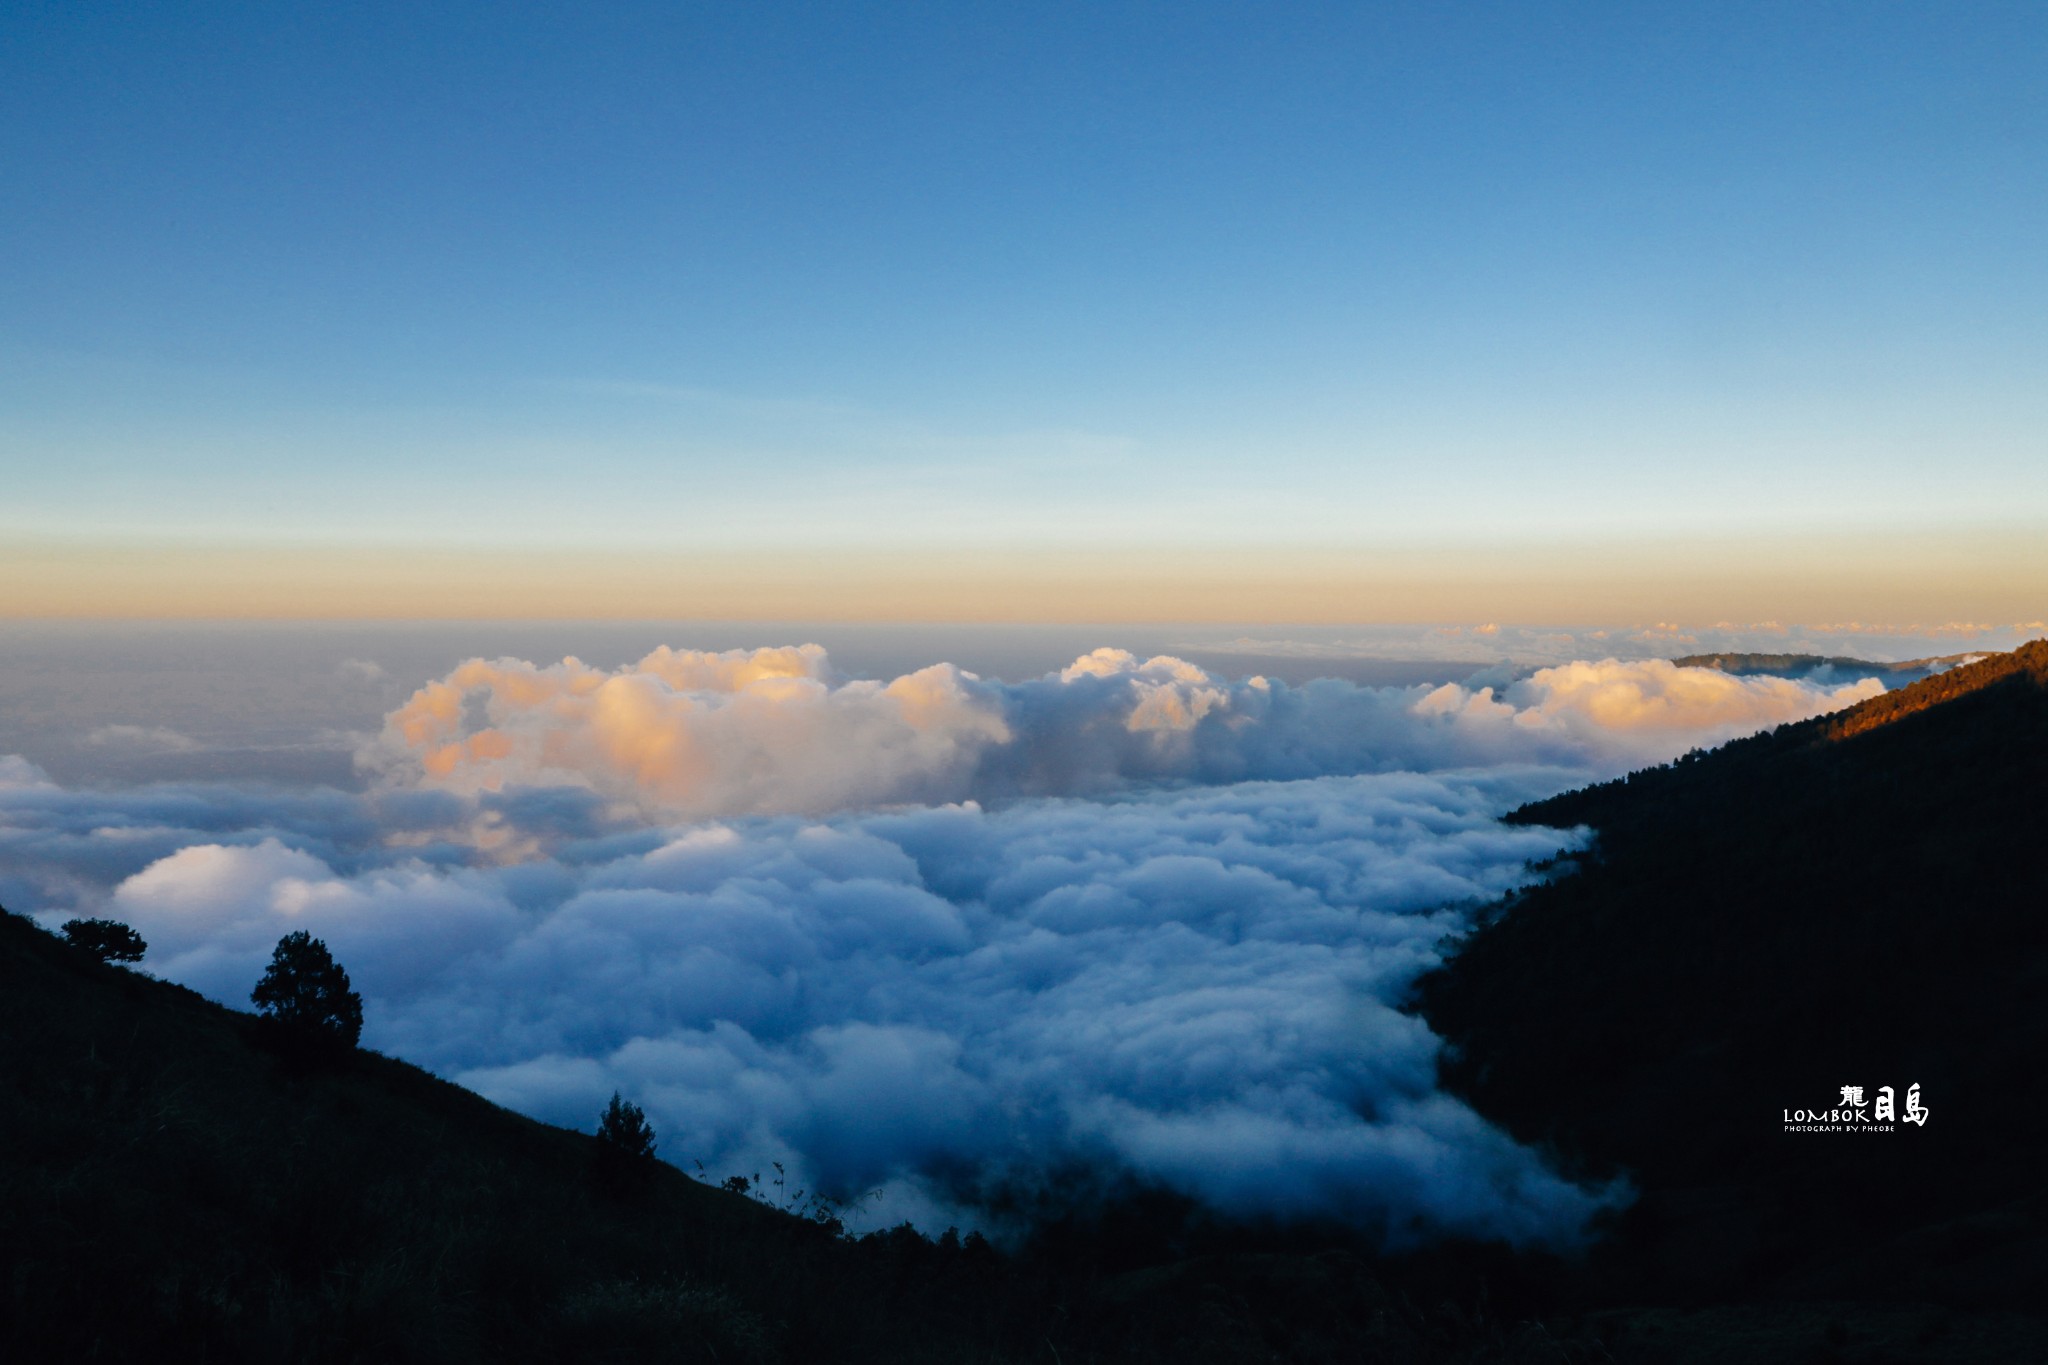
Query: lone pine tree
x=625, y=1131
x=305, y=995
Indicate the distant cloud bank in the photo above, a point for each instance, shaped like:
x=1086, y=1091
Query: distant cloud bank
x=771, y=731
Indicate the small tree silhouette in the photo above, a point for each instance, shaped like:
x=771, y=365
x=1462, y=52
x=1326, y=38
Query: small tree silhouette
x=106, y=939
x=625, y=1131
x=304, y=994
x=624, y=1159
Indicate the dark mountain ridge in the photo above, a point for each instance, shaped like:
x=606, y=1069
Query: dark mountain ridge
x=172, y=1188
x=1859, y=900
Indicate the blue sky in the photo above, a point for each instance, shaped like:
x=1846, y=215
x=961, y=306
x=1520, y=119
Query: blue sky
x=915, y=279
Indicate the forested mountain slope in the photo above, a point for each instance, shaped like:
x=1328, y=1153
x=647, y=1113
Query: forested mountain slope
x=1859, y=900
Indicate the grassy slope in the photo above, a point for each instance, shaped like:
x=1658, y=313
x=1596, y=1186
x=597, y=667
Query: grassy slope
x=1856, y=900
x=170, y=1190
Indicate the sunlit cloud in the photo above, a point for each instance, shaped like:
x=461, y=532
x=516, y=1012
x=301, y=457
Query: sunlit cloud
x=146, y=738
x=771, y=731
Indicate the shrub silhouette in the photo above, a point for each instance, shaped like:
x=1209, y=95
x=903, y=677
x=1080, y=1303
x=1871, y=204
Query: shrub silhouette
x=624, y=1130
x=304, y=994
x=106, y=939
x=624, y=1160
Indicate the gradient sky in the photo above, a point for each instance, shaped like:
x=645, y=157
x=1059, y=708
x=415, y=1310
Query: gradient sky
x=1024, y=312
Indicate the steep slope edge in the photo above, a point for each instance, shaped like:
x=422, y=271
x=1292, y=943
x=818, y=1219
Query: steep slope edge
x=170, y=1190
x=1854, y=901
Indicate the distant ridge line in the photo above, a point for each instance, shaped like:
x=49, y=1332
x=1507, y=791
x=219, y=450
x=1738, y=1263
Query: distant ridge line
x=1738, y=662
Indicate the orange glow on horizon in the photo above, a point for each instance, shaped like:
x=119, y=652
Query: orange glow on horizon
x=1980, y=576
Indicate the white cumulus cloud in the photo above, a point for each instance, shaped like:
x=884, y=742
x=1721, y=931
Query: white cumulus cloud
x=149, y=738
x=771, y=731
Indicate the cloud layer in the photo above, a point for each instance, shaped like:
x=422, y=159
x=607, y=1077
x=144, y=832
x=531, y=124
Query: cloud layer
x=940, y=936
x=1195, y=988
x=771, y=731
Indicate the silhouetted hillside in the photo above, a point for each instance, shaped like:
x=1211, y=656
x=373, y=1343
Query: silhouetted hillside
x=1857, y=900
x=171, y=1191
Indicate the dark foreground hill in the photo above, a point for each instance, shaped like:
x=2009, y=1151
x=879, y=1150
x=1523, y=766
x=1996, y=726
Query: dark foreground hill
x=173, y=1190
x=1855, y=901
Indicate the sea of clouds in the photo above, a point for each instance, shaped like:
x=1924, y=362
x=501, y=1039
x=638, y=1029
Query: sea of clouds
x=943, y=937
